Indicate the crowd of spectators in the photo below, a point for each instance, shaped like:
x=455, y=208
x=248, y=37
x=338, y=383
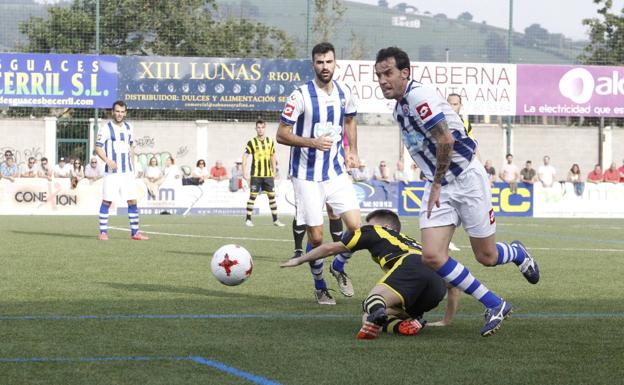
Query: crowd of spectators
x=546, y=174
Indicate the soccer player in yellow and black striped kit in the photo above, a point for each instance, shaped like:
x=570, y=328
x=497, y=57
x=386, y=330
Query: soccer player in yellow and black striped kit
x=406, y=291
x=263, y=166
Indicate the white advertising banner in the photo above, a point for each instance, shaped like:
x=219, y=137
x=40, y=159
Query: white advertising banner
x=485, y=88
x=603, y=200
x=38, y=196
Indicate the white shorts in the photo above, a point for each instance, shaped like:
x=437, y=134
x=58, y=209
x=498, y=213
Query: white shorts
x=119, y=186
x=466, y=201
x=311, y=196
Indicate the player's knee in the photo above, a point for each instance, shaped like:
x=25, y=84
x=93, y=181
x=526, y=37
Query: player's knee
x=315, y=239
x=433, y=259
x=487, y=258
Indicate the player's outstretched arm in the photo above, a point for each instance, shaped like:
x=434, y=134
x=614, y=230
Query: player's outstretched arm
x=452, y=303
x=324, y=250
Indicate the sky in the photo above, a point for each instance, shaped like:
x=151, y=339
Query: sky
x=557, y=16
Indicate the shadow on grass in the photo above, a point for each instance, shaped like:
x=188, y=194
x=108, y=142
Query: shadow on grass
x=144, y=287
x=52, y=234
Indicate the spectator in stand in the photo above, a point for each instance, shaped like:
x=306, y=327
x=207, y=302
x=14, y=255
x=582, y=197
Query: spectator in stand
x=510, y=174
x=621, y=170
x=45, y=171
x=7, y=154
x=171, y=173
x=399, y=174
x=30, y=169
x=575, y=177
x=361, y=173
x=218, y=172
x=62, y=169
x=596, y=175
x=236, y=181
x=381, y=173
x=153, y=177
x=8, y=169
x=528, y=173
x=201, y=172
x=93, y=172
x=547, y=173
x=612, y=175
x=76, y=173
x=415, y=174
x=490, y=171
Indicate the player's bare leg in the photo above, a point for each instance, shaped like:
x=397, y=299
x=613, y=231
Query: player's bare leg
x=435, y=242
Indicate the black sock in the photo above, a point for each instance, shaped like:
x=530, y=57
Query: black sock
x=298, y=234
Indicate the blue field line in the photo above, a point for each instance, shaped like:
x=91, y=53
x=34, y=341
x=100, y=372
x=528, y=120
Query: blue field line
x=233, y=371
x=122, y=317
x=274, y=316
x=196, y=359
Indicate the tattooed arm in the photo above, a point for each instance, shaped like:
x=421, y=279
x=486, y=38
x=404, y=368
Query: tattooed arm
x=444, y=150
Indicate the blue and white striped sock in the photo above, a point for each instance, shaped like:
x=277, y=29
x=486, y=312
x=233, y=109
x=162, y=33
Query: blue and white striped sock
x=133, y=216
x=316, y=267
x=339, y=261
x=104, y=218
x=509, y=253
x=456, y=274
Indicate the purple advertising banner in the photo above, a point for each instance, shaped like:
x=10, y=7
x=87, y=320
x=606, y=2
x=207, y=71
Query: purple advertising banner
x=554, y=90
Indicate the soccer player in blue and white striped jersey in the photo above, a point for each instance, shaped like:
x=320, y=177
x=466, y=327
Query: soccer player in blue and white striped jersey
x=115, y=145
x=457, y=191
x=312, y=123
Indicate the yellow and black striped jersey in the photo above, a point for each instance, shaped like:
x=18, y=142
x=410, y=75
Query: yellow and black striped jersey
x=385, y=245
x=262, y=151
x=467, y=126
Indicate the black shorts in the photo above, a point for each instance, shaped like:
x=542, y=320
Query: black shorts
x=419, y=287
x=257, y=184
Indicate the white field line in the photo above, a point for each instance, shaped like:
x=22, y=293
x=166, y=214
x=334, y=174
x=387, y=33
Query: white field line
x=290, y=240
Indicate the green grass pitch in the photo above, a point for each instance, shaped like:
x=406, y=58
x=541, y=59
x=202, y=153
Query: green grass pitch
x=74, y=310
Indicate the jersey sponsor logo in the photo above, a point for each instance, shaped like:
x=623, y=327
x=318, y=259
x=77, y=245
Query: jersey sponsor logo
x=289, y=109
x=328, y=128
x=423, y=111
x=492, y=218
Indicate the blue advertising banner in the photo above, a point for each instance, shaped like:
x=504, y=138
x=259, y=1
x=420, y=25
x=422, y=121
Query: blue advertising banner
x=47, y=80
x=505, y=203
x=375, y=195
x=153, y=82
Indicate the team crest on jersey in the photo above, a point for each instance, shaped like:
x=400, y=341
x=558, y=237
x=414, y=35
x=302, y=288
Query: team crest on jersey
x=423, y=111
x=99, y=137
x=343, y=103
x=405, y=110
x=289, y=109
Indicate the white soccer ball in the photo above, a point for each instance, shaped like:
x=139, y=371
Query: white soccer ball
x=231, y=265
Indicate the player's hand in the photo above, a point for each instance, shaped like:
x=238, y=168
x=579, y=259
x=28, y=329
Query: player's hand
x=323, y=142
x=434, y=198
x=292, y=262
x=353, y=160
x=111, y=164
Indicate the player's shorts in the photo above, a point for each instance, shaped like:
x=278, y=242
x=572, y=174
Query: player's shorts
x=418, y=286
x=257, y=184
x=119, y=186
x=467, y=201
x=311, y=196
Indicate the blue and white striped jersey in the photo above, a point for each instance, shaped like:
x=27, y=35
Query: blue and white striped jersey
x=417, y=112
x=116, y=142
x=312, y=112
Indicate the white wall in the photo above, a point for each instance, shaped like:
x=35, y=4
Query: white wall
x=378, y=141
